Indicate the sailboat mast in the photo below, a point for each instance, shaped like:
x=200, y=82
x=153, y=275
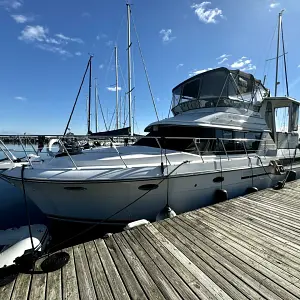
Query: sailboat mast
x=284, y=59
x=96, y=106
x=277, y=56
x=90, y=93
x=117, y=87
x=129, y=69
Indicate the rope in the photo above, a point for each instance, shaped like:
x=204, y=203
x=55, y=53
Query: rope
x=145, y=69
x=114, y=214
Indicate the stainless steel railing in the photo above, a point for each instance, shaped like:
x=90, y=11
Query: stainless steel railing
x=196, y=141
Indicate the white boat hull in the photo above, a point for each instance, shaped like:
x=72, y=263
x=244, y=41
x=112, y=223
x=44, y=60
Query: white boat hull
x=97, y=201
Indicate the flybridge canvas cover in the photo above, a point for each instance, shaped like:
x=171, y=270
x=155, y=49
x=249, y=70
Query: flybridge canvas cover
x=220, y=87
x=118, y=132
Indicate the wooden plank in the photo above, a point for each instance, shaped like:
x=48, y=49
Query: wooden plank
x=21, y=287
x=38, y=284
x=84, y=279
x=266, y=223
x=256, y=231
x=253, y=236
x=6, y=291
x=69, y=278
x=181, y=270
x=269, y=261
x=269, y=253
x=271, y=218
x=212, y=288
x=54, y=285
x=256, y=269
x=193, y=249
x=177, y=282
x=101, y=284
x=133, y=287
x=117, y=286
x=158, y=277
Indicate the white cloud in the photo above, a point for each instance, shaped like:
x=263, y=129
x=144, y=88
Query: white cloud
x=222, y=61
x=20, y=98
x=78, y=53
x=101, y=36
x=196, y=72
x=243, y=64
x=299, y=66
x=166, y=35
x=54, y=49
x=21, y=18
x=101, y=66
x=223, y=56
x=85, y=14
x=34, y=33
x=206, y=15
x=69, y=39
x=109, y=43
x=179, y=66
x=274, y=5
x=113, y=88
x=11, y=4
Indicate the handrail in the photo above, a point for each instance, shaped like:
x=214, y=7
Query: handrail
x=199, y=152
x=62, y=144
x=119, y=154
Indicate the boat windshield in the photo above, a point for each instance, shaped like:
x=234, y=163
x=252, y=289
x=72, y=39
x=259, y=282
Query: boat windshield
x=218, y=88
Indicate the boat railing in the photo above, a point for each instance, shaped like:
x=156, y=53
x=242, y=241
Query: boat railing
x=222, y=150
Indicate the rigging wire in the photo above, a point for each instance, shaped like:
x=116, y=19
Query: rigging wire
x=145, y=69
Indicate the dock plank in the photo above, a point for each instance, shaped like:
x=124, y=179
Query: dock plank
x=213, y=290
x=85, y=283
x=117, y=286
x=177, y=282
x=69, y=279
x=38, y=283
x=260, y=273
x=101, y=284
x=6, y=291
x=21, y=287
x=133, y=287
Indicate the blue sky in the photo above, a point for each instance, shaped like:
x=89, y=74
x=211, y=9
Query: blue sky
x=45, y=46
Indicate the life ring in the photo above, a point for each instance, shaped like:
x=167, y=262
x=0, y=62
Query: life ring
x=50, y=145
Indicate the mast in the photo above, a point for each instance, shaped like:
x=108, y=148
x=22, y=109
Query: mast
x=96, y=106
x=284, y=59
x=277, y=56
x=117, y=86
x=90, y=93
x=87, y=111
x=129, y=69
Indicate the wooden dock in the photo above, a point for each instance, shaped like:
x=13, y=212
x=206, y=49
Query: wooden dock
x=245, y=248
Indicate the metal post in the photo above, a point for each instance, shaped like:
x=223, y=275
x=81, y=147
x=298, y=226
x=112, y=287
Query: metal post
x=277, y=56
x=12, y=156
x=117, y=87
x=129, y=68
x=224, y=148
x=199, y=152
x=62, y=144
x=25, y=152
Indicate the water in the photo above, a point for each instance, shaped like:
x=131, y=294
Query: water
x=13, y=213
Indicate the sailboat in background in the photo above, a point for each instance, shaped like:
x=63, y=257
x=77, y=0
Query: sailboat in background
x=125, y=131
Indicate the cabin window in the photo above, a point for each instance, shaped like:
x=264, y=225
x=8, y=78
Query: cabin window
x=209, y=141
x=294, y=117
x=191, y=90
x=176, y=96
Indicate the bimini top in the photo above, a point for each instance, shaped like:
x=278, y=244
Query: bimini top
x=219, y=88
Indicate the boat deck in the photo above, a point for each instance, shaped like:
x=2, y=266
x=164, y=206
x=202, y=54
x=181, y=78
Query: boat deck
x=245, y=248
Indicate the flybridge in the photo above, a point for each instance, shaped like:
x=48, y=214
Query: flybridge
x=219, y=88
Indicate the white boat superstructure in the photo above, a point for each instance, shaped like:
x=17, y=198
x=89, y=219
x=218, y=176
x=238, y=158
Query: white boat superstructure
x=222, y=137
